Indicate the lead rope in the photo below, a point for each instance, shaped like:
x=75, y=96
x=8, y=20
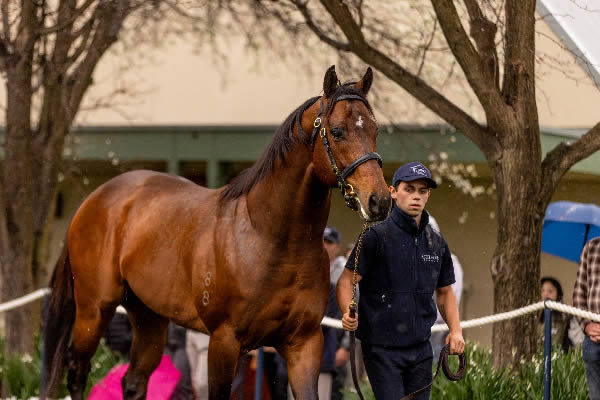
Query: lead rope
x=352, y=310
x=442, y=361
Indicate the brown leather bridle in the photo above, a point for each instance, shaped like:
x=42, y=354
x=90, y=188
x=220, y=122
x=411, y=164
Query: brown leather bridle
x=319, y=128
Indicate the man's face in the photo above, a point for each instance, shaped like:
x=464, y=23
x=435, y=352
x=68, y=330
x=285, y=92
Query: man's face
x=411, y=197
x=333, y=249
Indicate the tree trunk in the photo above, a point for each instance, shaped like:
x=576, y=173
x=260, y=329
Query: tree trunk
x=17, y=191
x=515, y=266
x=33, y=155
x=16, y=273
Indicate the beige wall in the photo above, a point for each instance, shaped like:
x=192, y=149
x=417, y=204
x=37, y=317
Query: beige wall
x=566, y=95
x=186, y=87
x=180, y=85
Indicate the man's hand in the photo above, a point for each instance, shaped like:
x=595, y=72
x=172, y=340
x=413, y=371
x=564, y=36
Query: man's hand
x=350, y=324
x=593, y=331
x=342, y=356
x=456, y=341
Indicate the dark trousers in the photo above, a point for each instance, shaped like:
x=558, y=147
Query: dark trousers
x=395, y=372
x=591, y=361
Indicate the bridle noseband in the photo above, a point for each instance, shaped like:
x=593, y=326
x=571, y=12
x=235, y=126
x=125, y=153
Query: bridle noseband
x=319, y=128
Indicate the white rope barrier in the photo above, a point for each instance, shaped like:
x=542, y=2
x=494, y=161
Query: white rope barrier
x=332, y=322
x=336, y=323
x=21, y=301
x=553, y=305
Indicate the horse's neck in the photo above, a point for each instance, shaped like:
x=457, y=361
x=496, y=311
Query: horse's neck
x=291, y=202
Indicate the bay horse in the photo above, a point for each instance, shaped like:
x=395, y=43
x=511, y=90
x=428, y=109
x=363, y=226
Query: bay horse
x=244, y=263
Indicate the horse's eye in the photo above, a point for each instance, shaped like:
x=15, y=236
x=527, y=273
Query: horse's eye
x=337, y=133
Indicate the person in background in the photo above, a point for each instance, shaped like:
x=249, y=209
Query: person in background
x=175, y=349
x=332, y=243
x=586, y=296
x=119, y=335
x=552, y=289
x=196, y=348
x=438, y=339
x=566, y=332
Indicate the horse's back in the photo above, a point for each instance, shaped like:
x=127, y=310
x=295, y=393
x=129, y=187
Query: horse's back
x=135, y=190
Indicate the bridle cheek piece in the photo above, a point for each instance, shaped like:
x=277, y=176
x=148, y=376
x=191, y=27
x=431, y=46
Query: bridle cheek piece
x=347, y=190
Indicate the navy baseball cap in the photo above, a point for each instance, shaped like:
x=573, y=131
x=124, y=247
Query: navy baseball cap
x=413, y=171
x=331, y=235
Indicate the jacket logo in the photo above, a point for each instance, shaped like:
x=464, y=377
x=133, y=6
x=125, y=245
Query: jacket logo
x=430, y=258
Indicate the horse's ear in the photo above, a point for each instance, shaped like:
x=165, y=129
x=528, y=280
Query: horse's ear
x=365, y=83
x=330, y=82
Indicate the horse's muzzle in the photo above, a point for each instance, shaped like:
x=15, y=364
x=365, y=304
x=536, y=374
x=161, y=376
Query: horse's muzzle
x=379, y=206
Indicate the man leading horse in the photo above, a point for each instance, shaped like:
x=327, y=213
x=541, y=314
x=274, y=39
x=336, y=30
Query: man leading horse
x=401, y=262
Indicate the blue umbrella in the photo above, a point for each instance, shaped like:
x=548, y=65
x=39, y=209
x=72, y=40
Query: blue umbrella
x=568, y=226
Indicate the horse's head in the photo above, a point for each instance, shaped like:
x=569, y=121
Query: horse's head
x=344, y=141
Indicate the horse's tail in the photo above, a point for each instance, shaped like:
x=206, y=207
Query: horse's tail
x=58, y=319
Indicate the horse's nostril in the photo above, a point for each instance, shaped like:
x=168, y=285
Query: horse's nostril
x=374, y=204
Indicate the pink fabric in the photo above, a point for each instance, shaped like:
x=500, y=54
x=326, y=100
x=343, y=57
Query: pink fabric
x=160, y=387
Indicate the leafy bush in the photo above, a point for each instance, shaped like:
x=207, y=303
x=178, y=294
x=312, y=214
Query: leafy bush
x=22, y=374
x=482, y=382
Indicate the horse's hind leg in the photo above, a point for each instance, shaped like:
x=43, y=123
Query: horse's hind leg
x=90, y=322
x=149, y=338
x=223, y=355
x=303, y=358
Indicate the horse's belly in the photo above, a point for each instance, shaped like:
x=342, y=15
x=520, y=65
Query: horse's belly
x=168, y=280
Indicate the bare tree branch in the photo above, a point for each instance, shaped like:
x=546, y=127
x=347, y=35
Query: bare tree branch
x=3, y=56
x=182, y=12
x=83, y=34
x=519, y=58
x=110, y=18
x=343, y=17
x=313, y=27
x=5, y=20
x=417, y=87
x=480, y=78
x=359, y=11
x=559, y=160
x=483, y=31
x=63, y=24
x=427, y=47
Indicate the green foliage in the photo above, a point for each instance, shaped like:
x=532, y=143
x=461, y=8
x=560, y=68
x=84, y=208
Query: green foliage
x=22, y=374
x=482, y=382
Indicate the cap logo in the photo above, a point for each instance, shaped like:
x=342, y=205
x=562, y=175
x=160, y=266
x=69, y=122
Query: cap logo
x=419, y=170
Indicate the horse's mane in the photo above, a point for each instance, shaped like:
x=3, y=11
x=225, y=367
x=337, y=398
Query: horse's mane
x=282, y=143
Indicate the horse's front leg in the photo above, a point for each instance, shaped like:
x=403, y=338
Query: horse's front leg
x=303, y=356
x=223, y=355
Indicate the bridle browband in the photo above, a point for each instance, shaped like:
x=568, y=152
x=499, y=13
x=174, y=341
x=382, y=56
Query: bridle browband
x=319, y=128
